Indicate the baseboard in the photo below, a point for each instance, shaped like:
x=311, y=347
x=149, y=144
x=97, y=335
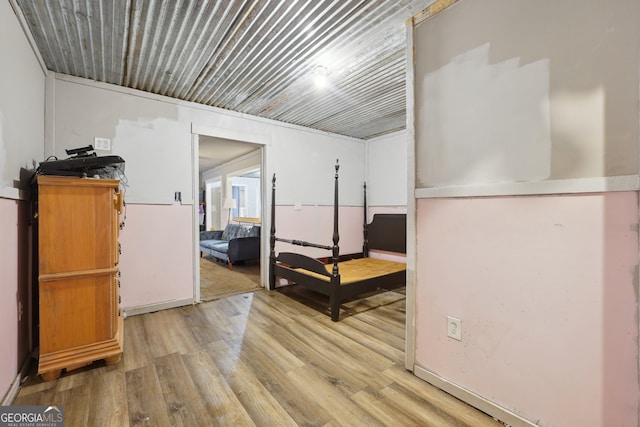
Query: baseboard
x=143, y=309
x=473, y=399
x=14, y=388
x=12, y=392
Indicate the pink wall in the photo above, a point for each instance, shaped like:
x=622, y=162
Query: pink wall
x=315, y=224
x=157, y=249
x=157, y=254
x=8, y=291
x=546, y=289
x=14, y=285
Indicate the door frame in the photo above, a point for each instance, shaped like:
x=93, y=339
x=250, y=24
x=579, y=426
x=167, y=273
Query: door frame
x=264, y=142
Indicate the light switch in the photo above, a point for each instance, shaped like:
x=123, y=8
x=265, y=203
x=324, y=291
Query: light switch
x=102, y=144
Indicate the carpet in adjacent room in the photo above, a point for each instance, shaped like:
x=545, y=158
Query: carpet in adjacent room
x=218, y=281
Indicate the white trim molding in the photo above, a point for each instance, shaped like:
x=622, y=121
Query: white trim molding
x=12, y=193
x=410, y=328
x=14, y=388
x=561, y=186
x=473, y=399
x=144, y=309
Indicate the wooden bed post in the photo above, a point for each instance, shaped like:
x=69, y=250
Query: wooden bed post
x=335, y=275
x=365, y=232
x=336, y=236
x=272, y=253
x=334, y=298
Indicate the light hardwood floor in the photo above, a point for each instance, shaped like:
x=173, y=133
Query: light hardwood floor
x=260, y=359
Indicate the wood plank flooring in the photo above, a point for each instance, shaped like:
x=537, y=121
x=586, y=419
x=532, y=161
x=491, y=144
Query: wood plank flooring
x=258, y=359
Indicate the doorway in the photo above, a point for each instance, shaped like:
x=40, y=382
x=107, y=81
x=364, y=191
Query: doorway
x=227, y=171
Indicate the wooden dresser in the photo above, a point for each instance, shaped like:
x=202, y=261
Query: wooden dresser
x=80, y=320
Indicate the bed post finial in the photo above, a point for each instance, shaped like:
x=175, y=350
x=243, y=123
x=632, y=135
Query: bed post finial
x=272, y=253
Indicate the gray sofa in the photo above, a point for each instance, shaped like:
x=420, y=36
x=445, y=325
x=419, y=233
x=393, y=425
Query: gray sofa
x=237, y=242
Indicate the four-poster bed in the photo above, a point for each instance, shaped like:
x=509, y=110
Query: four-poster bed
x=347, y=279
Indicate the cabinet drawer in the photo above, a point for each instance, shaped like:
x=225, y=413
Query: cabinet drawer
x=77, y=311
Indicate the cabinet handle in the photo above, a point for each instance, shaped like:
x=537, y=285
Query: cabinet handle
x=119, y=201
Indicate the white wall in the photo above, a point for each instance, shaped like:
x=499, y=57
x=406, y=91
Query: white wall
x=499, y=100
x=387, y=170
x=252, y=197
x=22, y=83
x=153, y=134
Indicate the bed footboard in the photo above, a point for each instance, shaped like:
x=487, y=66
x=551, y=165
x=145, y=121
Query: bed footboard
x=295, y=260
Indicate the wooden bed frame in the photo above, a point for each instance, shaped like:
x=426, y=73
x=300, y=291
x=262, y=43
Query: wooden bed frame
x=386, y=232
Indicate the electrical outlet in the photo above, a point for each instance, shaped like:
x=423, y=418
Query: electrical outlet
x=454, y=328
x=102, y=144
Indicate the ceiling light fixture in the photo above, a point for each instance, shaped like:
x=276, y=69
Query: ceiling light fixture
x=320, y=76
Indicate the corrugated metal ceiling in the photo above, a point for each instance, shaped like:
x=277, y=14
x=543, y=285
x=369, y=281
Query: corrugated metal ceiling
x=258, y=57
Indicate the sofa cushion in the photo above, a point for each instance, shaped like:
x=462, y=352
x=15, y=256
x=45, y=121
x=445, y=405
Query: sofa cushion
x=211, y=244
x=230, y=231
x=233, y=231
x=211, y=235
x=255, y=231
x=222, y=248
x=246, y=231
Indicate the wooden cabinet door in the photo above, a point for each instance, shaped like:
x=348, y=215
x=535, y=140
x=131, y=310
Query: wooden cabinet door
x=76, y=311
x=77, y=226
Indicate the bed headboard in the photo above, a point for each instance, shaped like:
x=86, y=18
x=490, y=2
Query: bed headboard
x=387, y=232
